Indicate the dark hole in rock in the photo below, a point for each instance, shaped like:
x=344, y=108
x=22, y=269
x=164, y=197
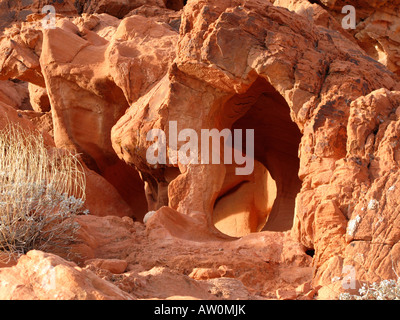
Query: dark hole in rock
x=310, y=252
x=175, y=4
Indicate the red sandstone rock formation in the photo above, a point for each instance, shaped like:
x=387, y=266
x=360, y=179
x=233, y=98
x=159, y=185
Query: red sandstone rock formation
x=232, y=58
x=323, y=103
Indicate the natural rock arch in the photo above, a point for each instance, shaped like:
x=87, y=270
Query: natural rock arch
x=266, y=198
x=319, y=74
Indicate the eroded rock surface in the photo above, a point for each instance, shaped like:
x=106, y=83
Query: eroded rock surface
x=324, y=106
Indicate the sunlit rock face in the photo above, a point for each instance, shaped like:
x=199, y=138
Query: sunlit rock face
x=312, y=109
x=298, y=85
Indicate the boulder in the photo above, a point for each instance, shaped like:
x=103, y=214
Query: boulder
x=39, y=98
x=44, y=276
x=115, y=266
x=15, y=94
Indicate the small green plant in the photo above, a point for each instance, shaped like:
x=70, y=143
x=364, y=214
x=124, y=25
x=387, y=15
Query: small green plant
x=41, y=191
x=384, y=290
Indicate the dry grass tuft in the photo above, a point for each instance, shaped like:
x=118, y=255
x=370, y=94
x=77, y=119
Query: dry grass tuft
x=40, y=193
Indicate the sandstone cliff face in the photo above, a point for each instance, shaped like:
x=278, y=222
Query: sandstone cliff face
x=324, y=107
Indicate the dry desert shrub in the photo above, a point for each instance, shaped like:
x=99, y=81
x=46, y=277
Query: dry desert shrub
x=40, y=193
x=384, y=290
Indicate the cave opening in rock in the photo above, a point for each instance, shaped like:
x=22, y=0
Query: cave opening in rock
x=310, y=252
x=264, y=200
x=317, y=2
x=175, y=4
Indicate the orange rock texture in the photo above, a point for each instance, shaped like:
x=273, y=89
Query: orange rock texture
x=323, y=102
